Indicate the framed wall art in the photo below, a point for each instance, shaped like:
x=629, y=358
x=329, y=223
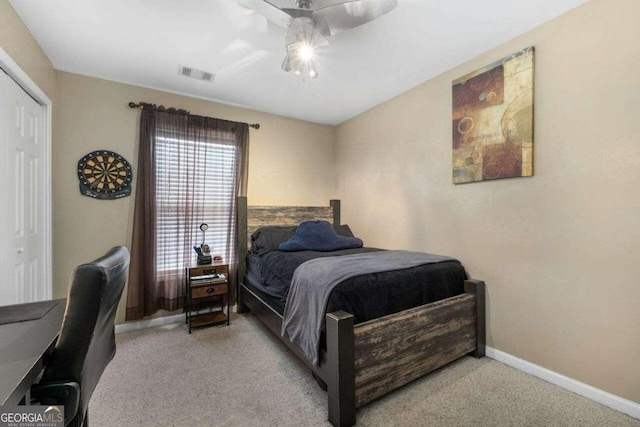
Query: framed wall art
x=493, y=120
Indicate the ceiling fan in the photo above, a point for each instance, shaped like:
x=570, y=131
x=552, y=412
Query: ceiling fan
x=310, y=22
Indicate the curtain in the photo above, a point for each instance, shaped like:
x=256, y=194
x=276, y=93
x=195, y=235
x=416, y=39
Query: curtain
x=191, y=169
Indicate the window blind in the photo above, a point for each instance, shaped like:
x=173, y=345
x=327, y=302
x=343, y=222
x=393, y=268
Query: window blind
x=194, y=185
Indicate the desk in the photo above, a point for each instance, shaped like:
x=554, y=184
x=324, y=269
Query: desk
x=23, y=346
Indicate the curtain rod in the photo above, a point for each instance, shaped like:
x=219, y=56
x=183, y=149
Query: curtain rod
x=139, y=105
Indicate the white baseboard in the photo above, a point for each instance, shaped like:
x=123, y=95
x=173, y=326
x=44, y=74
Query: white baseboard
x=158, y=321
x=149, y=323
x=611, y=400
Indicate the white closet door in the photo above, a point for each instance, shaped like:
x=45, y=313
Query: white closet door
x=23, y=210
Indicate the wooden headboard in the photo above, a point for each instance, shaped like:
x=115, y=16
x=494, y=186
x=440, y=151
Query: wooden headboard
x=250, y=218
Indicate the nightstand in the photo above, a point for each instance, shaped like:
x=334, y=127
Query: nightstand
x=207, y=295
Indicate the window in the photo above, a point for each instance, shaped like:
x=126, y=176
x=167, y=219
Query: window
x=190, y=170
x=195, y=184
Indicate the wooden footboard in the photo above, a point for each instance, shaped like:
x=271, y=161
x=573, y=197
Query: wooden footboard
x=367, y=361
x=371, y=359
x=394, y=350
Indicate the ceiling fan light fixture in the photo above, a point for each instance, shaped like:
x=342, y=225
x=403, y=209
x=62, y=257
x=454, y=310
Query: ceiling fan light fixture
x=312, y=22
x=286, y=64
x=312, y=70
x=302, y=41
x=306, y=52
x=300, y=62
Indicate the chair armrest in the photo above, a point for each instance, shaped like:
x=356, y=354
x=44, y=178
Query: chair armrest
x=58, y=393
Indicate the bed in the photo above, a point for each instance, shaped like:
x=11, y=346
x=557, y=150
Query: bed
x=364, y=354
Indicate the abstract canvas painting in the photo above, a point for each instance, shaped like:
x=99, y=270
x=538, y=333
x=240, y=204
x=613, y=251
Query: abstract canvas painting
x=493, y=120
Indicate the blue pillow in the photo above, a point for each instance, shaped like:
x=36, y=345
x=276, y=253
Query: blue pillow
x=318, y=236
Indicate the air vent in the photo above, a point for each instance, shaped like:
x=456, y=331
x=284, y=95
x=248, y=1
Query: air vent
x=196, y=74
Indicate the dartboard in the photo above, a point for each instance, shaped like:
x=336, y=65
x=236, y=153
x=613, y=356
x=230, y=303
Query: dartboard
x=104, y=174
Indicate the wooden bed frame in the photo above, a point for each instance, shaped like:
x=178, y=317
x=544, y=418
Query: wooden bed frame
x=365, y=361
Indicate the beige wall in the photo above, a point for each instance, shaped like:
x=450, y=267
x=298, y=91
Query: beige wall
x=558, y=251
x=290, y=162
x=18, y=42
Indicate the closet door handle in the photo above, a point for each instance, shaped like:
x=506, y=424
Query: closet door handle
x=20, y=251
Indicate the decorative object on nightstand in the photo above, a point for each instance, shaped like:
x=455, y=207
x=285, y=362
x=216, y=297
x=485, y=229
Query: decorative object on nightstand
x=207, y=296
x=203, y=251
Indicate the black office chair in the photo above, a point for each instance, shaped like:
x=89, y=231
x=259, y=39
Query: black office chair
x=87, y=342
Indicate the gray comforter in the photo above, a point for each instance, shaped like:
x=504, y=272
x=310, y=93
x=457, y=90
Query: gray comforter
x=314, y=280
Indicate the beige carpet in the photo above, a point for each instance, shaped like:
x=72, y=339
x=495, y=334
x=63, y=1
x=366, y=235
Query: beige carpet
x=241, y=375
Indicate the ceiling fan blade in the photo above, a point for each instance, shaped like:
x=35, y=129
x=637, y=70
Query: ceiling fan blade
x=269, y=11
x=337, y=18
x=298, y=13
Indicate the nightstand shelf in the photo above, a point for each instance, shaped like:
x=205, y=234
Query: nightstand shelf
x=207, y=295
x=206, y=319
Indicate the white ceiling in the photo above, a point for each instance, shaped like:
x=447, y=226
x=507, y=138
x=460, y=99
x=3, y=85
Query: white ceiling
x=141, y=42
